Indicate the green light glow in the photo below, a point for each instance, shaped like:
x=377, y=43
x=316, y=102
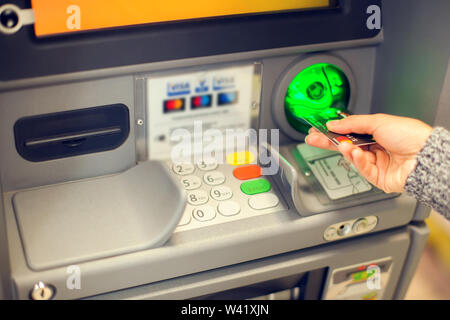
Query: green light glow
x=321, y=89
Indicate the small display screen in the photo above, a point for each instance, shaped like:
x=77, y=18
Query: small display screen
x=62, y=16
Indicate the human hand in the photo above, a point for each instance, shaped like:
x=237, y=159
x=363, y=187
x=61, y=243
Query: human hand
x=388, y=163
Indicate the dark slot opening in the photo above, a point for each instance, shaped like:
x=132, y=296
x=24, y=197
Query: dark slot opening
x=71, y=133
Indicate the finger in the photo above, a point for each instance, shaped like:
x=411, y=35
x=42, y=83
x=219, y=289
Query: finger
x=370, y=156
x=313, y=130
x=381, y=155
x=369, y=153
x=362, y=124
x=318, y=140
x=365, y=148
x=365, y=163
x=376, y=147
x=346, y=149
x=382, y=163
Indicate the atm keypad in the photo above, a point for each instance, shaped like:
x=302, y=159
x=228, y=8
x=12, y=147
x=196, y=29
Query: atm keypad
x=218, y=193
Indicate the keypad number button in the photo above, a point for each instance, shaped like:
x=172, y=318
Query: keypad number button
x=214, y=178
x=207, y=165
x=191, y=182
x=204, y=213
x=183, y=169
x=229, y=208
x=263, y=201
x=197, y=197
x=221, y=193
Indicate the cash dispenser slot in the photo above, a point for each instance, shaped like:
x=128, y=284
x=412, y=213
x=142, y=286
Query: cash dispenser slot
x=71, y=133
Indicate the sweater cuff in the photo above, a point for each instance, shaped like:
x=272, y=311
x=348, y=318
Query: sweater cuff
x=429, y=181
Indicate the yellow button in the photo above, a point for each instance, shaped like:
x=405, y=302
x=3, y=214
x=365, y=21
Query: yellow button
x=240, y=158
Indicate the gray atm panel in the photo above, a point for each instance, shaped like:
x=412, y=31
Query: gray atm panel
x=391, y=245
x=98, y=218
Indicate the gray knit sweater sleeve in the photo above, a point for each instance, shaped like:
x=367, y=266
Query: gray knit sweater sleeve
x=430, y=181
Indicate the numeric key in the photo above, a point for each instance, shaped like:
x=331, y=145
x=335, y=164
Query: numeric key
x=214, y=178
x=183, y=169
x=207, y=164
x=221, y=193
x=204, y=213
x=197, y=197
x=191, y=182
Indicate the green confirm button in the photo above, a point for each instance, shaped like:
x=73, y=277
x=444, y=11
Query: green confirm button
x=255, y=186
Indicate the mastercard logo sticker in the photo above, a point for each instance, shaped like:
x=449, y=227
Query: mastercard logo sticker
x=344, y=139
x=173, y=105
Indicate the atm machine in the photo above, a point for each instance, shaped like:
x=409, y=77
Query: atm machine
x=93, y=206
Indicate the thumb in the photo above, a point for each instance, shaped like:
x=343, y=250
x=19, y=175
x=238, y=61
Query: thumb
x=346, y=149
x=362, y=124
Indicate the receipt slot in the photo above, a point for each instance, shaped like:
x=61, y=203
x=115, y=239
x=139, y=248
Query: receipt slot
x=93, y=138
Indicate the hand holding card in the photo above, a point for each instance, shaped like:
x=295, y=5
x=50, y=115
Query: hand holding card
x=387, y=163
x=320, y=123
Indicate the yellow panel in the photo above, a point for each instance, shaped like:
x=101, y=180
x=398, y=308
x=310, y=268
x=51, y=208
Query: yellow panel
x=440, y=237
x=61, y=16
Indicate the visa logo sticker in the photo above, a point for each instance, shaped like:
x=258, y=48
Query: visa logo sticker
x=202, y=85
x=220, y=83
x=178, y=88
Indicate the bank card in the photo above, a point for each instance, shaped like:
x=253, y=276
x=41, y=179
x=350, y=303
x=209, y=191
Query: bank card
x=319, y=123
